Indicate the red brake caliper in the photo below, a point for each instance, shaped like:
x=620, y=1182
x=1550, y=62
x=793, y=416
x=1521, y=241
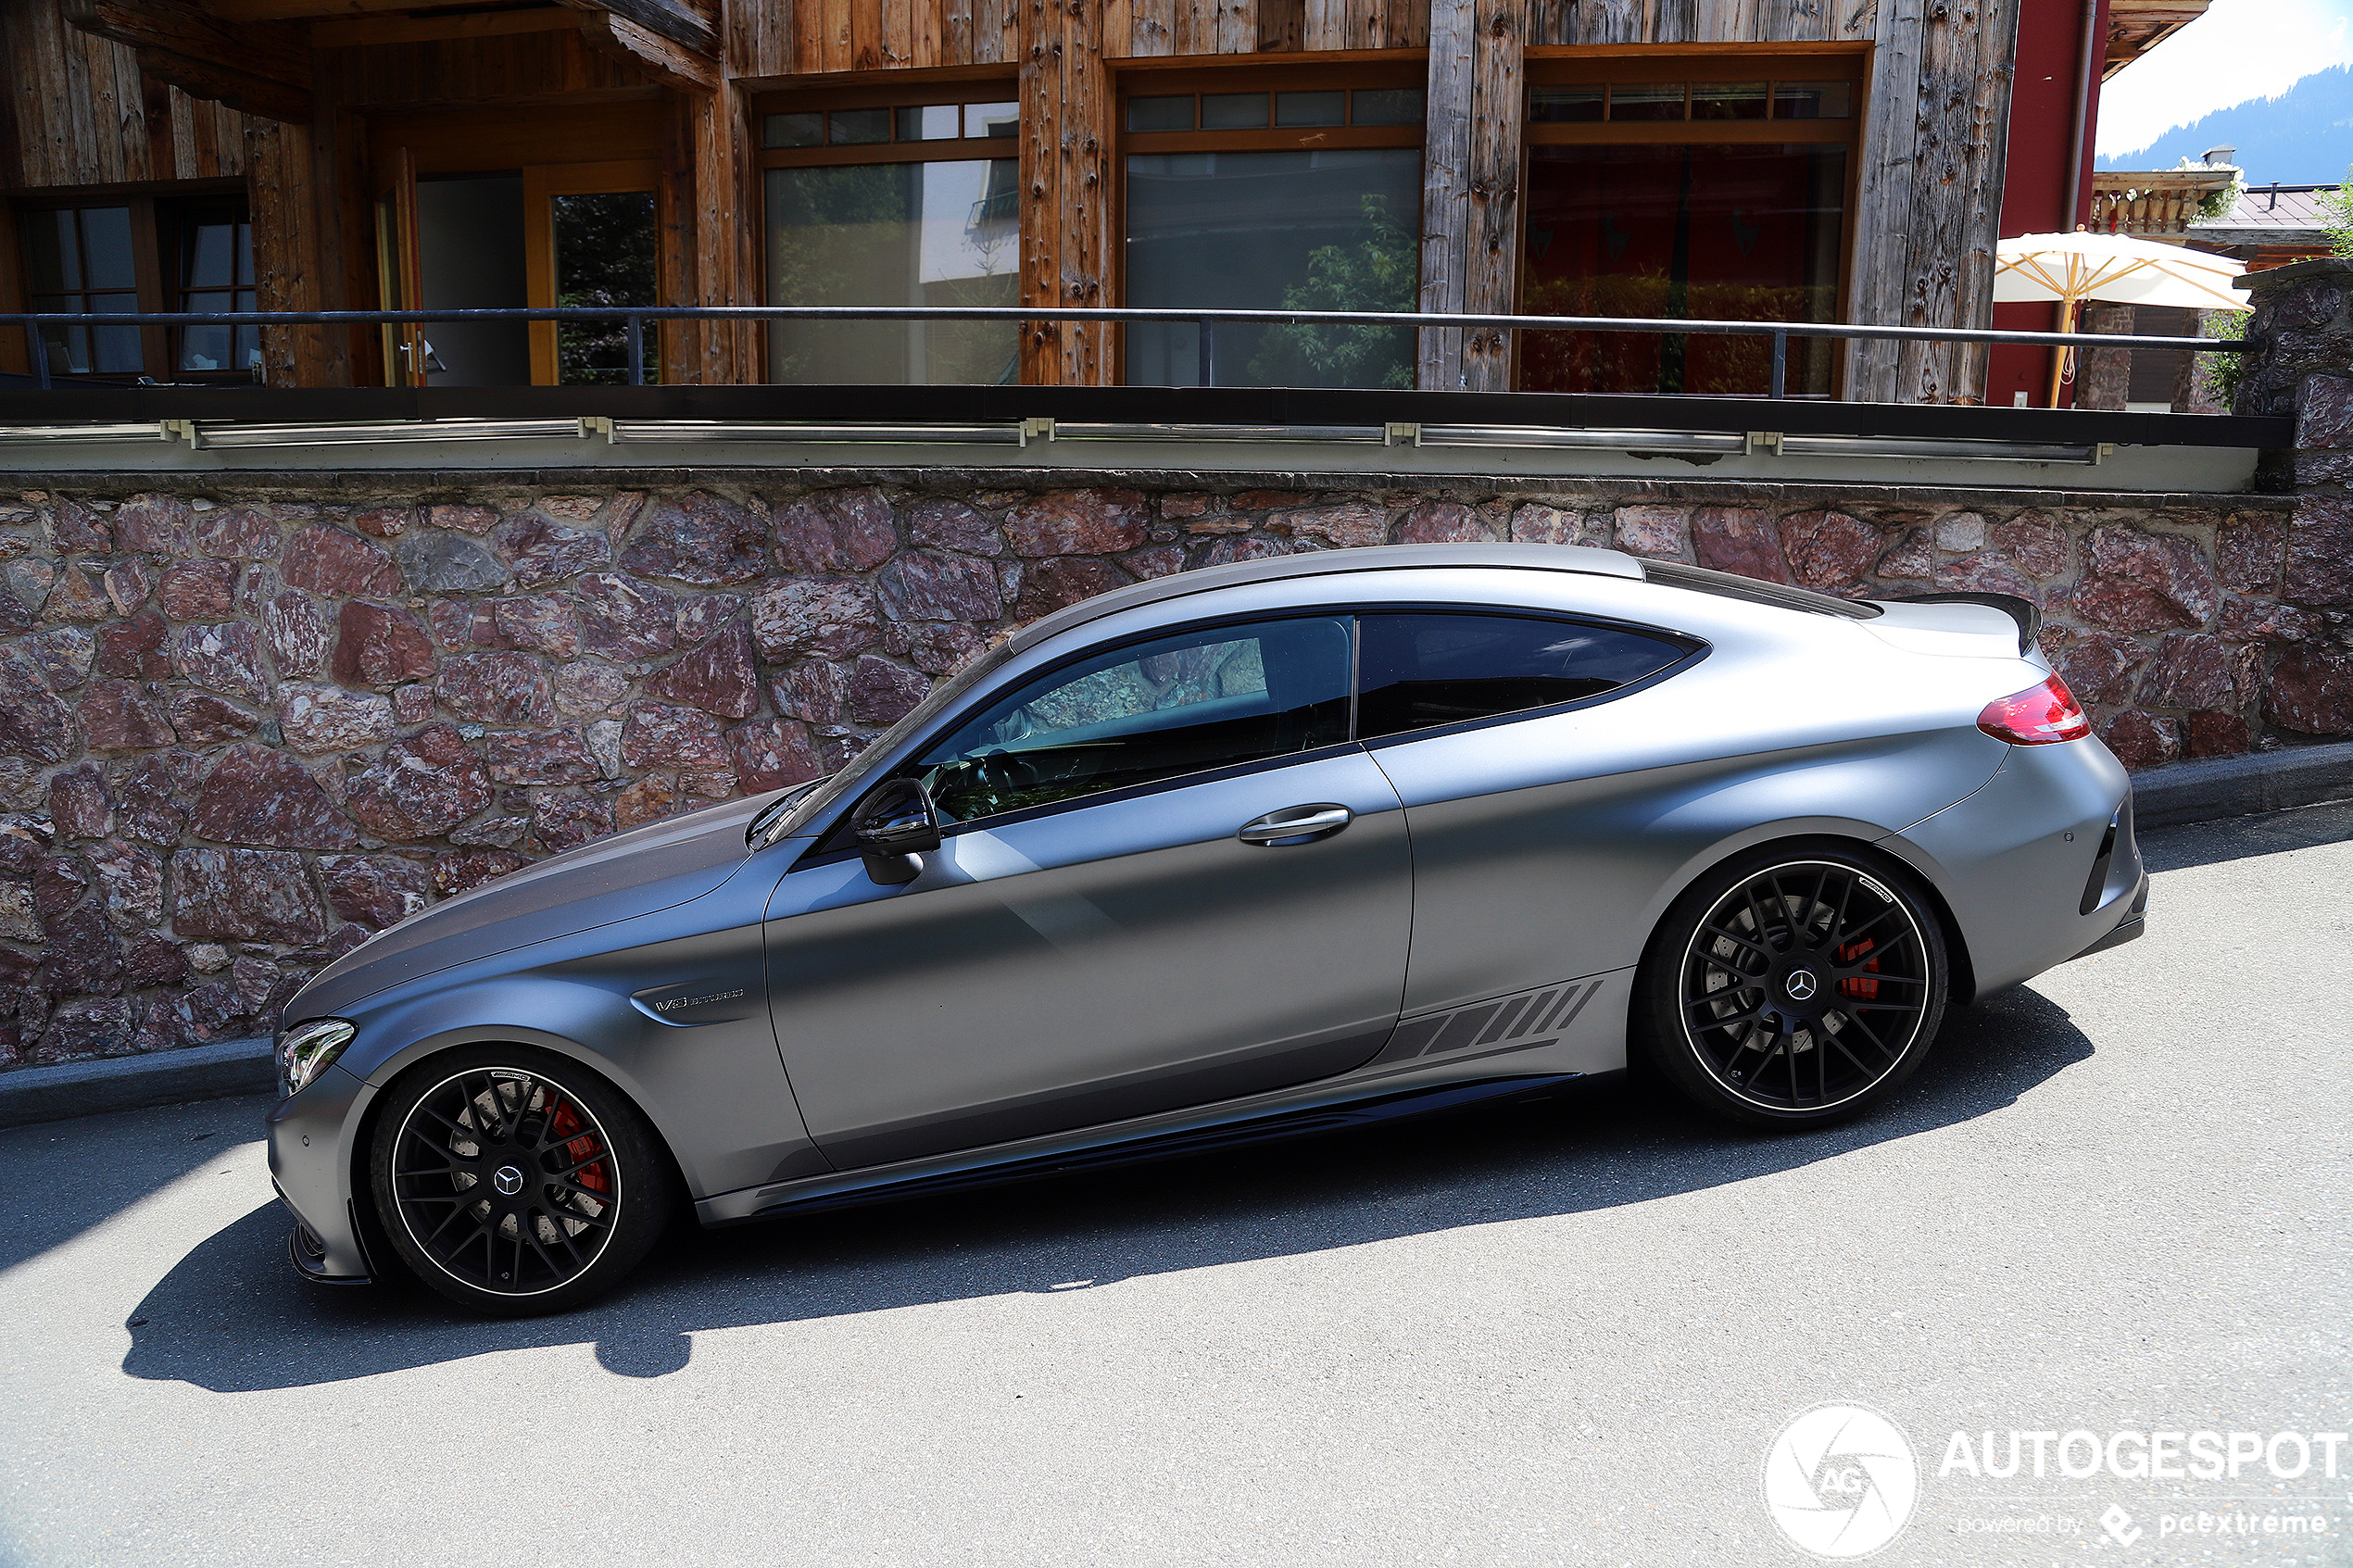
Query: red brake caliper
x=565, y=1123
x=1859, y=987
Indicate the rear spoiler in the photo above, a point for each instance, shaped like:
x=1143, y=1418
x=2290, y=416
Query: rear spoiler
x=2026, y=612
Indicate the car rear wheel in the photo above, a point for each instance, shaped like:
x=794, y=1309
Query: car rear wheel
x=516, y=1183
x=1792, y=989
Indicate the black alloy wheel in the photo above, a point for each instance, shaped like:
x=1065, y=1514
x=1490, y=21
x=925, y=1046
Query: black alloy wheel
x=1787, y=990
x=514, y=1183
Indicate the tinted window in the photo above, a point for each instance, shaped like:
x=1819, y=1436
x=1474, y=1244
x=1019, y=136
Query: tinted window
x=1148, y=712
x=1421, y=670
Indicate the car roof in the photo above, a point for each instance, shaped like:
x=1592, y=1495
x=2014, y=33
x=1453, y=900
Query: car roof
x=1324, y=563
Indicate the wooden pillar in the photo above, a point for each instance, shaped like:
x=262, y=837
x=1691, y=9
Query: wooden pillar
x=1471, y=189
x=1066, y=189
x=1928, y=214
x=289, y=269
x=703, y=245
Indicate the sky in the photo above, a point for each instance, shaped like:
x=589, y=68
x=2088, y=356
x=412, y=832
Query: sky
x=2240, y=49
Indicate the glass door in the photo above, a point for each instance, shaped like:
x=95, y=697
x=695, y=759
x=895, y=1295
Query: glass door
x=591, y=238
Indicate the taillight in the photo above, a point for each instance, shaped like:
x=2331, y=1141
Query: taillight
x=2036, y=716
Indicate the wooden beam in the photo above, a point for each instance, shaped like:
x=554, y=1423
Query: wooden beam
x=679, y=70
x=1491, y=248
x=243, y=11
x=261, y=68
x=253, y=96
x=1066, y=190
x=1446, y=176
x=664, y=18
x=349, y=33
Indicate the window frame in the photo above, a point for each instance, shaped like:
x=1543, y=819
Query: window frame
x=1143, y=79
x=155, y=248
x=994, y=85
x=542, y=183
x=1565, y=66
x=828, y=841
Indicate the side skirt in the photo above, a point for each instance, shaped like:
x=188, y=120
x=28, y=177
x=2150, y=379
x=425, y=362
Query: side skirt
x=958, y=1173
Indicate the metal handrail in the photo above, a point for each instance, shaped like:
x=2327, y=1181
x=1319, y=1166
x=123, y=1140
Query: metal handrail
x=1208, y=321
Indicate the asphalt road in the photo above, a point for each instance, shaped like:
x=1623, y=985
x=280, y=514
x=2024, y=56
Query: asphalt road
x=1562, y=1332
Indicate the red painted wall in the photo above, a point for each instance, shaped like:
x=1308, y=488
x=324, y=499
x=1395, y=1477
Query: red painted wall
x=2050, y=65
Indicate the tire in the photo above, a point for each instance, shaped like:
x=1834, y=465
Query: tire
x=514, y=1181
x=1792, y=986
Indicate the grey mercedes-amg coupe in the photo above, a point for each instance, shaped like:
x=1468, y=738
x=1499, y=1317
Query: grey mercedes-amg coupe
x=1265, y=847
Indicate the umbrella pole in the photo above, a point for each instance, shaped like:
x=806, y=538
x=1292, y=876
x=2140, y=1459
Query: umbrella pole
x=2058, y=355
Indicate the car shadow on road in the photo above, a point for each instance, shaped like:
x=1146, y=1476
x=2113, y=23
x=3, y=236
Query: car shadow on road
x=232, y=1317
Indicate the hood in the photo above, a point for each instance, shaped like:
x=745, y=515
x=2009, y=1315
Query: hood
x=656, y=866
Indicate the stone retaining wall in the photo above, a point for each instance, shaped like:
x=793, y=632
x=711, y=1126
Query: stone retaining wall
x=239, y=732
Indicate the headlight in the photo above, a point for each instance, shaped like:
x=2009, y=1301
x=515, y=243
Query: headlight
x=305, y=1051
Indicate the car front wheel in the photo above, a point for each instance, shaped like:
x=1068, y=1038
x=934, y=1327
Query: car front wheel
x=1792, y=989
x=516, y=1183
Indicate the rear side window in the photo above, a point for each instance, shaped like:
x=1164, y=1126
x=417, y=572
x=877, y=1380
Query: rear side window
x=1418, y=671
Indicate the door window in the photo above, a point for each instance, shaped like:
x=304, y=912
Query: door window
x=1418, y=671
x=1148, y=712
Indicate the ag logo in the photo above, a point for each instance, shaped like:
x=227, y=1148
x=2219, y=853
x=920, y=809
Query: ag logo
x=1839, y=1480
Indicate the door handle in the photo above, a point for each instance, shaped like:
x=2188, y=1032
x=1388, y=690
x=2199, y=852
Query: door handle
x=1296, y=824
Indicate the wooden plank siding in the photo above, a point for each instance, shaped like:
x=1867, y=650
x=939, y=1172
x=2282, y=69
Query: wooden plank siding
x=80, y=111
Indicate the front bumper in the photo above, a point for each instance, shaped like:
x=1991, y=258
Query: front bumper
x=310, y=1164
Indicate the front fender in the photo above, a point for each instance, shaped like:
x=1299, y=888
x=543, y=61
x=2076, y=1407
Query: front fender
x=713, y=1085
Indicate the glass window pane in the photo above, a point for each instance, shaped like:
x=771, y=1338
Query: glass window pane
x=1310, y=108
x=1137, y=715
x=1732, y=232
x=1813, y=100
x=1650, y=100
x=1161, y=114
x=1565, y=105
x=604, y=255
x=902, y=233
x=1323, y=230
x=105, y=248
x=1727, y=100
x=928, y=122
x=115, y=350
x=1388, y=106
x=991, y=120
x=1233, y=111
x=1416, y=671
x=54, y=250
x=805, y=130
x=244, y=254
x=207, y=255
x=208, y=349
x=248, y=345
x=852, y=128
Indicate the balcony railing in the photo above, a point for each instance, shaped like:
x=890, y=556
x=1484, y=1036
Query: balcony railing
x=2154, y=203
x=636, y=319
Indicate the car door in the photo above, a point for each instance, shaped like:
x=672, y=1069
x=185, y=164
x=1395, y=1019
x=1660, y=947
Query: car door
x=1095, y=939
x=1499, y=732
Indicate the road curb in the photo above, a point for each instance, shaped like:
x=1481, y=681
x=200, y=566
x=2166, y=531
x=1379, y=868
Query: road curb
x=86, y=1088
x=2216, y=787
x=2203, y=791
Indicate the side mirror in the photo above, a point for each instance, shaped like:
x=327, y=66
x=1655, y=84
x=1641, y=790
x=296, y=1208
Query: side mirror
x=894, y=826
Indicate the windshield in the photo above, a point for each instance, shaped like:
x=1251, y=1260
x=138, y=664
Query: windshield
x=853, y=777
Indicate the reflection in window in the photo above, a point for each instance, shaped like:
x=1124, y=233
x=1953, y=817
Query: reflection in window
x=1313, y=231
x=216, y=276
x=1750, y=232
x=1157, y=711
x=1418, y=672
x=900, y=234
x=605, y=255
x=81, y=265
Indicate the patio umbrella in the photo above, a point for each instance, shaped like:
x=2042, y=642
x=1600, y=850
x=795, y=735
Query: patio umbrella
x=2069, y=269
